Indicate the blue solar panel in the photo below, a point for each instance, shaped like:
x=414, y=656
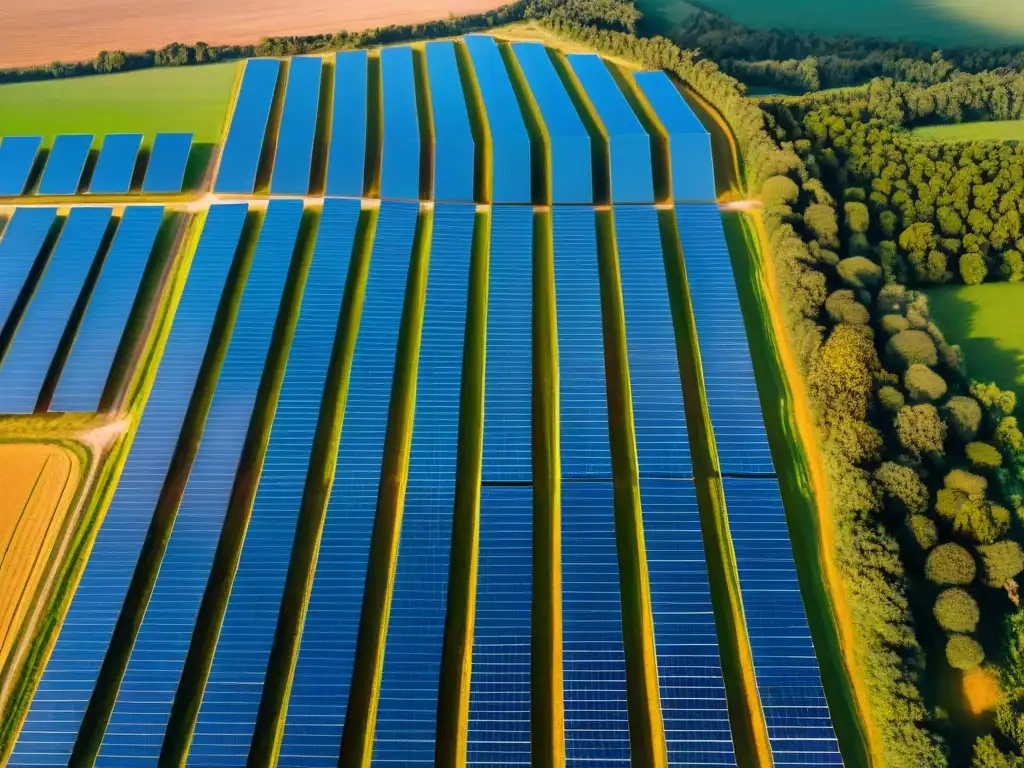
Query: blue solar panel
x=165, y=172
x=407, y=707
x=499, y=690
x=454, y=150
x=346, y=157
x=571, y=177
x=17, y=156
x=508, y=389
x=243, y=149
x=298, y=127
x=729, y=384
x=85, y=372
x=55, y=715
x=658, y=418
x=116, y=164
x=227, y=716
x=785, y=667
x=693, y=173
x=22, y=241
x=510, y=143
x=693, y=704
x=629, y=146
x=143, y=706
x=323, y=671
x=31, y=352
x=65, y=164
x=400, y=158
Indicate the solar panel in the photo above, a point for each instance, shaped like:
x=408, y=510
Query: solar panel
x=143, y=706
x=400, y=159
x=116, y=164
x=65, y=164
x=454, y=150
x=347, y=154
x=629, y=146
x=106, y=317
x=656, y=389
x=298, y=127
x=323, y=671
x=56, y=712
x=510, y=143
x=569, y=142
x=17, y=156
x=22, y=242
x=507, y=449
x=407, y=707
x=165, y=172
x=24, y=367
x=243, y=149
x=728, y=373
x=785, y=667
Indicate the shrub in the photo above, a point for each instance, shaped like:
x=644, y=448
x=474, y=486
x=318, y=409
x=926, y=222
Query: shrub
x=892, y=324
x=956, y=611
x=1001, y=562
x=923, y=384
x=920, y=429
x=923, y=531
x=902, y=485
x=859, y=272
x=983, y=455
x=891, y=398
x=843, y=307
x=963, y=414
x=950, y=564
x=911, y=346
x=966, y=482
x=964, y=652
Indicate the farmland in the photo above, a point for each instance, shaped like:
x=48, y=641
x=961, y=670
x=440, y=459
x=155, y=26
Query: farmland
x=996, y=130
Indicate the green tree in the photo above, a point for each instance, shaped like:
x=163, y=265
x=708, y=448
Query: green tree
x=843, y=307
x=950, y=564
x=821, y=221
x=1001, y=562
x=923, y=531
x=858, y=219
x=920, y=429
x=893, y=324
x=964, y=652
x=986, y=753
x=779, y=190
x=891, y=398
x=984, y=456
x=963, y=415
x=859, y=272
x=956, y=610
x=909, y=347
x=1000, y=401
x=923, y=385
x=981, y=521
x=973, y=269
x=1011, y=267
x=974, y=486
x=843, y=373
x=903, y=486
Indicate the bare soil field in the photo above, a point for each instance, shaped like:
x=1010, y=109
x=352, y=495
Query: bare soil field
x=40, y=31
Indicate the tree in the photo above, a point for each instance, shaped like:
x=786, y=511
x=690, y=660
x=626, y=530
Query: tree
x=858, y=219
x=963, y=414
x=903, y=486
x=964, y=652
x=984, y=456
x=821, y=221
x=986, y=753
x=859, y=272
x=843, y=373
x=923, y=384
x=956, y=610
x=950, y=564
x=891, y=398
x=920, y=429
x=1001, y=562
x=779, y=190
x=1011, y=267
x=981, y=521
x=909, y=347
x=892, y=324
x=923, y=531
x=968, y=483
x=973, y=269
x=1001, y=402
x=843, y=307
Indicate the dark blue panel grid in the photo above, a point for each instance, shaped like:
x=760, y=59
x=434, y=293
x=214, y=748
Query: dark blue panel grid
x=454, y=151
x=510, y=143
x=116, y=164
x=106, y=317
x=571, y=179
x=729, y=384
x=165, y=172
x=243, y=149
x=227, y=716
x=28, y=359
x=55, y=714
x=499, y=691
x=20, y=246
x=656, y=388
x=65, y=164
x=298, y=127
x=17, y=156
x=407, y=707
x=346, y=157
x=400, y=153
x=323, y=672
x=143, y=705
x=693, y=704
x=786, y=670
x=508, y=387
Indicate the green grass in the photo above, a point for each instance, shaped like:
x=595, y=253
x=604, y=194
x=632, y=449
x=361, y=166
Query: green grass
x=996, y=130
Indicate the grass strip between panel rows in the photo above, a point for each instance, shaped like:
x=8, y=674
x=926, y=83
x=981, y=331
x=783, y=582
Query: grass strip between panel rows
x=540, y=142
x=483, y=157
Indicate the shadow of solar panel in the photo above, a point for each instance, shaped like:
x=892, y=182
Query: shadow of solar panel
x=116, y=164
x=785, y=667
x=507, y=450
x=400, y=158
x=56, y=712
x=499, y=691
x=656, y=389
x=31, y=352
x=88, y=366
x=323, y=671
x=693, y=703
x=65, y=164
x=143, y=706
x=17, y=156
x=407, y=708
x=294, y=156
x=629, y=146
x=347, y=154
x=510, y=143
x=165, y=172
x=22, y=242
x=728, y=373
x=454, y=149
x=227, y=716
x=243, y=149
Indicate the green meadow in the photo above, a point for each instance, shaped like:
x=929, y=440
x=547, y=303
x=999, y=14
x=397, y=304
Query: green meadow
x=997, y=130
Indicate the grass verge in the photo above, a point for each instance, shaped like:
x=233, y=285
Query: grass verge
x=661, y=156
x=477, y=123
x=425, y=113
x=374, y=126
x=268, y=153
x=322, y=135
x=540, y=142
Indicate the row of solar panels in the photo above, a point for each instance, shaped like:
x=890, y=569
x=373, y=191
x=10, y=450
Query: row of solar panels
x=225, y=722
x=454, y=175
x=66, y=164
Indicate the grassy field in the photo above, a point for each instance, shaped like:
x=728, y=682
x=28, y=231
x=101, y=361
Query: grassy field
x=997, y=130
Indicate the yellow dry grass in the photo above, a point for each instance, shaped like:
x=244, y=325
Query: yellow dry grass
x=981, y=690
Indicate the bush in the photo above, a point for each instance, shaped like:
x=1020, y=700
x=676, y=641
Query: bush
x=843, y=307
x=950, y=564
x=909, y=347
x=966, y=482
x=984, y=456
x=1001, y=562
x=920, y=429
x=891, y=398
x=902, y=485
x=923, y=531
x=963, y=414
x=923, y=384
x=956, y=611
x=893, y=324
x=859, y=272
x=964, y=652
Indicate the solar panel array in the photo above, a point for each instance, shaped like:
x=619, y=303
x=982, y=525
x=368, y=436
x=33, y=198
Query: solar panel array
x=240, y=157
x=294, y=157
x=454, y=149
x=165, y=172
x=65, y=165
x=400, y=154
x=116, y=164
x=17, y=156
x=346, y=156
x=21, y=245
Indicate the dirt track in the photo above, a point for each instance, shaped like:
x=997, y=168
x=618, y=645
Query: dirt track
x=41, y=31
